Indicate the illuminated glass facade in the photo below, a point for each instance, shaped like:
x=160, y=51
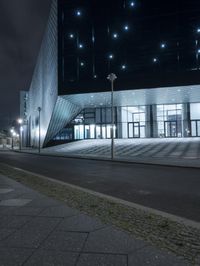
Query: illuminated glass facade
x=147, y=44
x=152, y=46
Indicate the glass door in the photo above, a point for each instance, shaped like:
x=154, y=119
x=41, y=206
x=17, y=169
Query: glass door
x=171, y=129
x=134, y=130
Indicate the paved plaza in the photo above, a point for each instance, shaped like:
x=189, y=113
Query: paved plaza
x=36, y=230
x=186, y=148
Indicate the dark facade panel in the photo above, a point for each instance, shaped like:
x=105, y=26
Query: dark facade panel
x=146, y=43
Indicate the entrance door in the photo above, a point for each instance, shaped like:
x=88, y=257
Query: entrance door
x=171, y=130
x=134, y=130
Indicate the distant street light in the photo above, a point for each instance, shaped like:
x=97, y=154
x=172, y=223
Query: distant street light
x=39, y=110
x=112, y=77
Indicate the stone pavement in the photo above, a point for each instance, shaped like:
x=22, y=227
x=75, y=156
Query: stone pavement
x=156, y=148
x=37, y=230
x=183, y=152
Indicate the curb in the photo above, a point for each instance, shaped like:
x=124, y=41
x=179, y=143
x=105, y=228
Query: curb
x=109, y=160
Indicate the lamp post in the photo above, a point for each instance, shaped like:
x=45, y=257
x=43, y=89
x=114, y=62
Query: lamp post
x=39, y=110
x=12, y=133
x=112, y=77
x=20, y=121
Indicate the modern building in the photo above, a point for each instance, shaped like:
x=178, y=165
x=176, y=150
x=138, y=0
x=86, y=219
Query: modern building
x=152, y=46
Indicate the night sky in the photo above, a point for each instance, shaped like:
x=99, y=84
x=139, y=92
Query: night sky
x=22, y=24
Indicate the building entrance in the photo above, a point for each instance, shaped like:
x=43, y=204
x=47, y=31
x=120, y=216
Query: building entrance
x=134, y=130
x=171, y=130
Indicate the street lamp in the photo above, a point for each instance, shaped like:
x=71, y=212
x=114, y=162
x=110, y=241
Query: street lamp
x=112, y=77
x=12, y=134
x=20, y=122
x=39, y=110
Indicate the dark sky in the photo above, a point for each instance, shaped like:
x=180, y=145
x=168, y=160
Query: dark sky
x=22, y=25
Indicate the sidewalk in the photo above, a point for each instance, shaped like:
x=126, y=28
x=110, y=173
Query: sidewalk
x=37, y=230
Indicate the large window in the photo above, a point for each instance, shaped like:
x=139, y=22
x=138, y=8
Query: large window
x=170, y=120
x=133, y=121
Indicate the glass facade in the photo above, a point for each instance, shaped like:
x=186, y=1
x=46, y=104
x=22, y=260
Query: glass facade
x=159, y=121
x=156, y=42
x=170, y=120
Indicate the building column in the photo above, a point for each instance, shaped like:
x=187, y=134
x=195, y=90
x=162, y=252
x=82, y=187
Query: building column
x=186, y=120
x=151, y=126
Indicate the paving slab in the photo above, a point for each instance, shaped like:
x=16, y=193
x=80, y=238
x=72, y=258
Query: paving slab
x=42, y=223
x=102, y=260
x=14, y=221
x=65, y=241
x=15, y=202
x=13, y=256
x=59, y=211
x=13, y=194
x=111, y=240
x=52, y=258
x=5, y=232
x=31, y=235
x=43, y=202
x=24, y=211
x=152, y=256
x=6, y=190
x=5, y=210
x=20, y=211
x=80, y=223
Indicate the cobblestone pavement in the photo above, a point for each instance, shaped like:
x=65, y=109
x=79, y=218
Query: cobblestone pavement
x=37, y=230
x=155, y=148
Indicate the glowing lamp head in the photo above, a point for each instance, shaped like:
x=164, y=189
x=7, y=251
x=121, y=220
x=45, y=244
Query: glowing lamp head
x=115, y=35
x=20, y=121
x=126, y=27
x=163, y=45
x=78, y=13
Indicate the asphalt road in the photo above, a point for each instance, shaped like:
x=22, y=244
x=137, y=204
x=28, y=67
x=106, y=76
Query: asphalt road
x=171, y=189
